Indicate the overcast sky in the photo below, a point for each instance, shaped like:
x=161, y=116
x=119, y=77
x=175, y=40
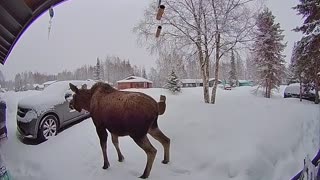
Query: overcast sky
x=83, y=30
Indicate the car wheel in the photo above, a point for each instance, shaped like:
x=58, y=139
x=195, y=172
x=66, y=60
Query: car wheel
x=48, y=127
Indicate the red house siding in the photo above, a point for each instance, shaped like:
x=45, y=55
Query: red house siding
x=127, y=85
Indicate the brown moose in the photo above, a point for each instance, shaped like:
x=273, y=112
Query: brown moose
x=123, y=113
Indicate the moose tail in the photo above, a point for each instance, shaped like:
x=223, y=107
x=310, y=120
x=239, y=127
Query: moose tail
x=162, y=104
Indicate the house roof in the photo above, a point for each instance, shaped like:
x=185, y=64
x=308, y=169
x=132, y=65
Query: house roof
x=244, y=81
x=134, y=79
x=187, y=81
x=15, y=17
x=49, y=82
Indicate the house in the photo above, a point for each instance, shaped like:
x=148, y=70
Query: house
x=38, y=87
x=196, y=82
x=134, y=82
x=245, y=83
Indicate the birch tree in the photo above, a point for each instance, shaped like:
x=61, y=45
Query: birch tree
x=233, y=72
x=233, y=25
x=201, y=28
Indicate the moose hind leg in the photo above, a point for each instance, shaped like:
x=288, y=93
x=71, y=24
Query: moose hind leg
x=151, y=152
x=103, y=136
x=164, y=140
x=115, y=141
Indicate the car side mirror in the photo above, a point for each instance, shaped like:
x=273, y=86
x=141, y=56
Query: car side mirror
x=68, y=96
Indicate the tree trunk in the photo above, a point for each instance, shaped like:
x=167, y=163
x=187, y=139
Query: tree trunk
x=269, y=88
x=205, y=78
x=266, y=90
x=300, y=95
x=216, y=72
x=316, y=88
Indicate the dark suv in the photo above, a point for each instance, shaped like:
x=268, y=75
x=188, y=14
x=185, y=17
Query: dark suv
x=293, y=90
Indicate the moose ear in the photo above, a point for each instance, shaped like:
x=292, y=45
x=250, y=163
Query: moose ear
x=73, y=88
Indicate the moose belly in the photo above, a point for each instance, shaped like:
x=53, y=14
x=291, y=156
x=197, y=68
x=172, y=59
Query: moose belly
x=132, y=127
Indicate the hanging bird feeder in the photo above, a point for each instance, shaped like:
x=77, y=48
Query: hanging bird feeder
x=158, y=31
x=160, y=12
x=158, y=17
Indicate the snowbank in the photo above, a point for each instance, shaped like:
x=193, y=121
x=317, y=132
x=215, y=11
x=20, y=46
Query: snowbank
x=242, y=137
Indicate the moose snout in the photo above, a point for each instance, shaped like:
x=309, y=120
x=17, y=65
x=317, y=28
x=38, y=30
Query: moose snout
x=70, y=104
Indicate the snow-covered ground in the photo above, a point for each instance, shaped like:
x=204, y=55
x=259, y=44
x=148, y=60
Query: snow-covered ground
x=242, y=137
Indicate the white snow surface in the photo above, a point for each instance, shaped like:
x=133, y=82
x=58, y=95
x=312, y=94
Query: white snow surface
x=242, y=137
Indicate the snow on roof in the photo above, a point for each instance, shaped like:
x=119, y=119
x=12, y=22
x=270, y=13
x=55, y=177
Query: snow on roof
x=191, y=81
x=134, y=79
x=212, y=79
x=49, y=82
x=196, y=80
x=244, y=81
x=38, y=85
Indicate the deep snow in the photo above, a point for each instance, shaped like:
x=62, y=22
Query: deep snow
x=242, y=137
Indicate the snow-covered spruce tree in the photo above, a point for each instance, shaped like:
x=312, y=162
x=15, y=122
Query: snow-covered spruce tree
x=233, y=73
x=307, y=51
x=143, y=73
x=267, y=50
x=173, y=83
x=97, y=71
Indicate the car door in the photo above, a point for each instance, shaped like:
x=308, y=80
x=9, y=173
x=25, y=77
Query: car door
x=68, y=114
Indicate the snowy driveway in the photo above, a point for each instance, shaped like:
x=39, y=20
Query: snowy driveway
x=242, y=137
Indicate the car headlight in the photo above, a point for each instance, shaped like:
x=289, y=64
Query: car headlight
x=30, y=115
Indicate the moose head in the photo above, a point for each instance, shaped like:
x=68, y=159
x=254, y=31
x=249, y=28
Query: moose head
x=80, y=99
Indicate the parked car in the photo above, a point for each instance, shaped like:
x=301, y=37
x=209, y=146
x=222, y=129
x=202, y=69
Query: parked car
x=42, y=115
x=227, y=87
x=293, y=91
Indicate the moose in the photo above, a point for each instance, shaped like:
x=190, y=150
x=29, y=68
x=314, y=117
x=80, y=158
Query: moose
x=123, y=113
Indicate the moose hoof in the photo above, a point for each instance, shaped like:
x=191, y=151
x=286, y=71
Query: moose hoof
x=106, y=166
x=143, y=177
x=121, y=159
x=165, y=161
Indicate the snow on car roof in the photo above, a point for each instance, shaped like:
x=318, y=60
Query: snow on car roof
x=50, y=96
x=294, y=88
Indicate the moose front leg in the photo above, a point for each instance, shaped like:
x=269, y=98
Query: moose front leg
x=103, y=136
